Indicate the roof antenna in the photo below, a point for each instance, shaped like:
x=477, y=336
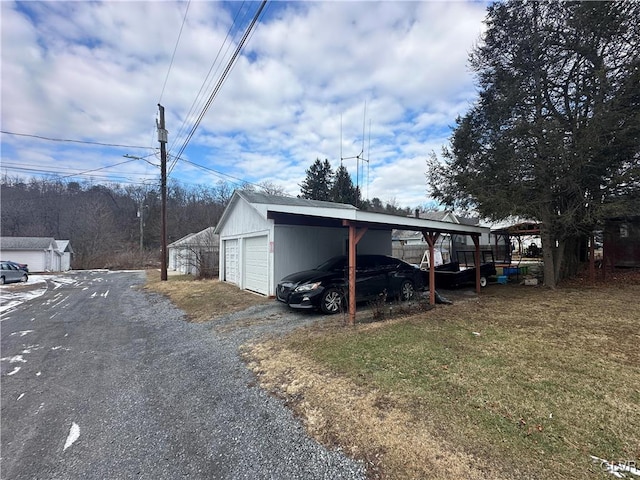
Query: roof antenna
x=360, y=156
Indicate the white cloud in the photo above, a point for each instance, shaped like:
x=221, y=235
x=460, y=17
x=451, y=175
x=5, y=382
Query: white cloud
x=95, y=71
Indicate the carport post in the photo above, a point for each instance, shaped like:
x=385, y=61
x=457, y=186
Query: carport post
x=476, y=242
x=354, y=238
x=431, y=238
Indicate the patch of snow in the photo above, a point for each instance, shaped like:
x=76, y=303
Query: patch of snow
x=74, y=434
x=22, y=333
x=14, y=371
x=14, y=359
x=21, y=395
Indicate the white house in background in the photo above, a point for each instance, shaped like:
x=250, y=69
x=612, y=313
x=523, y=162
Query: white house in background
x=64, y=247
x=195, y=253
x=264, y=237
x=42, y=254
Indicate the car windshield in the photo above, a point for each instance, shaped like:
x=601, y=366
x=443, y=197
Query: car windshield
x=333, y=264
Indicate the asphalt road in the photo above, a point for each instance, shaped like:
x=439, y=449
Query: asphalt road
x=101, y=379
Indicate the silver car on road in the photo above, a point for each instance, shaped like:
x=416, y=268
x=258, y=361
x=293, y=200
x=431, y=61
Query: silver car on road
x=11, y=273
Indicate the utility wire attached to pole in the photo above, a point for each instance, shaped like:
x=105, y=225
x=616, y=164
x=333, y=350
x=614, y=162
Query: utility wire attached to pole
x=222, y=79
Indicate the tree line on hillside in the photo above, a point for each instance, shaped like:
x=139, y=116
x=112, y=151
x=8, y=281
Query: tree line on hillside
x=107, y=223
x=103, y=222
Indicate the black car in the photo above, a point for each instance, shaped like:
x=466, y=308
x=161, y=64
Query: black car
x=326, y=286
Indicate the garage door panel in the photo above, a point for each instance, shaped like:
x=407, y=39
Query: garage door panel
x=231, y=261
x=256, y=264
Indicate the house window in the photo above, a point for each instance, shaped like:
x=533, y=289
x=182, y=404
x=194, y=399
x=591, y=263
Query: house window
x=624, y=230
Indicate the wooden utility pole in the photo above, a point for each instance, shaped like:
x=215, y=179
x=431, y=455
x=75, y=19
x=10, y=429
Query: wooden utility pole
x=162, y=138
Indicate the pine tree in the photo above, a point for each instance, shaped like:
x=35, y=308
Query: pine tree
x=555, y=134
x=317, y=185
x=343, y=190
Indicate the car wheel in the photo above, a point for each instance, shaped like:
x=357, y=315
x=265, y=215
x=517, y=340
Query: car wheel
x=406, y=291
x=483, y=281
x=24, y=278
x=1, y=280
x=331, y=301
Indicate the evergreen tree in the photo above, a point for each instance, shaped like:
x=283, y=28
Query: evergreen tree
x=317, y=185
x=555, y=134
x=343, y=190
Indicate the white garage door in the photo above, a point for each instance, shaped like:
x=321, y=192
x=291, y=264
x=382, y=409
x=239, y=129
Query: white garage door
x=231, y=261
x=256, y=264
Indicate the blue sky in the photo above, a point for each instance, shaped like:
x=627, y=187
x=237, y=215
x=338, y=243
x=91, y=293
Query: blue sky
x=94, y=72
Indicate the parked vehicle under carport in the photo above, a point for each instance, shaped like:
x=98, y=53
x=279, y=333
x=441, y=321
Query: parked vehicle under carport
x=326, y=286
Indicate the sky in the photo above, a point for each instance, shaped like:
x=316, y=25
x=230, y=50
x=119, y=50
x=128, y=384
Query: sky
x=382, y=81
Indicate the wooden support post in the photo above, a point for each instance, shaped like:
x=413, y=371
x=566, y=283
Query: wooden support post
x=431, y=238
x=354, y=237
x=476, y=242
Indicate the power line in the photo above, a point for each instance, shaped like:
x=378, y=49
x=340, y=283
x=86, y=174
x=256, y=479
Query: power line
x=222, y=79
x=54, y=171
x=205, y=83
x=74, y=141
x=220, y=174
x=174, y=51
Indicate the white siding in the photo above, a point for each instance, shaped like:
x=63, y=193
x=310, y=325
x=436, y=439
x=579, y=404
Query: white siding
x=244, y=220
x=302, y=248
x=256, y=264
x=37, y=260
x=65, y=262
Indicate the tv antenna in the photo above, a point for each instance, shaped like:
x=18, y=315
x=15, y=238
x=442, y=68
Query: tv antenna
x=360, y=158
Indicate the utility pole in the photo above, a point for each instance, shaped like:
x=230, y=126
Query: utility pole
x=162, y=138
x=141, y=217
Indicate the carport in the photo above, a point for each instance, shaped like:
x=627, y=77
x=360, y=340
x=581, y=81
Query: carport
x=359, y=222
x=430, y=229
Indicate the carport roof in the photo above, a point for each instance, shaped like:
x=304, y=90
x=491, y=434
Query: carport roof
x=300, y=211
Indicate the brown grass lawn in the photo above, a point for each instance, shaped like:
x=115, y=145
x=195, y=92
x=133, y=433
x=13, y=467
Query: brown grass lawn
x=518, y=383
x=202, y=300
x=521, y=382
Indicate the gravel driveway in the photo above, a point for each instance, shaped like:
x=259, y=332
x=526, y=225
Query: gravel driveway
x=114, y=383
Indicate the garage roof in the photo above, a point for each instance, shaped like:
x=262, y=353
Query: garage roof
x=28, y=243
x=301, y=211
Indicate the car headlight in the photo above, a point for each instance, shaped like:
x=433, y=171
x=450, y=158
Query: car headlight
x=307, y=287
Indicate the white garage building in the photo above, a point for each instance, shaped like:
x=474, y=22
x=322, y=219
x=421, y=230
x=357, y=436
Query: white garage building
x=264, y=237
x=41, y=254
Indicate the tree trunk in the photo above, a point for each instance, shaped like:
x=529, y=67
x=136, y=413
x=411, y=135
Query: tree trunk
x=548, y=247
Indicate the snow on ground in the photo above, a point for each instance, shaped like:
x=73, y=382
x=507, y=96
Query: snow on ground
x=14, y=294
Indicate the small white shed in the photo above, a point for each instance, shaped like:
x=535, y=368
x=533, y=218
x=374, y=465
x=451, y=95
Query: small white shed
x=40, y=253
x=64, y=247
x=196, y=253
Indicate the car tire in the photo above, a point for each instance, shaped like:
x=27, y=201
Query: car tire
x=1, y=280
x=483, y=281
x=331, y=301
x=24, y=278
x=407, y=291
